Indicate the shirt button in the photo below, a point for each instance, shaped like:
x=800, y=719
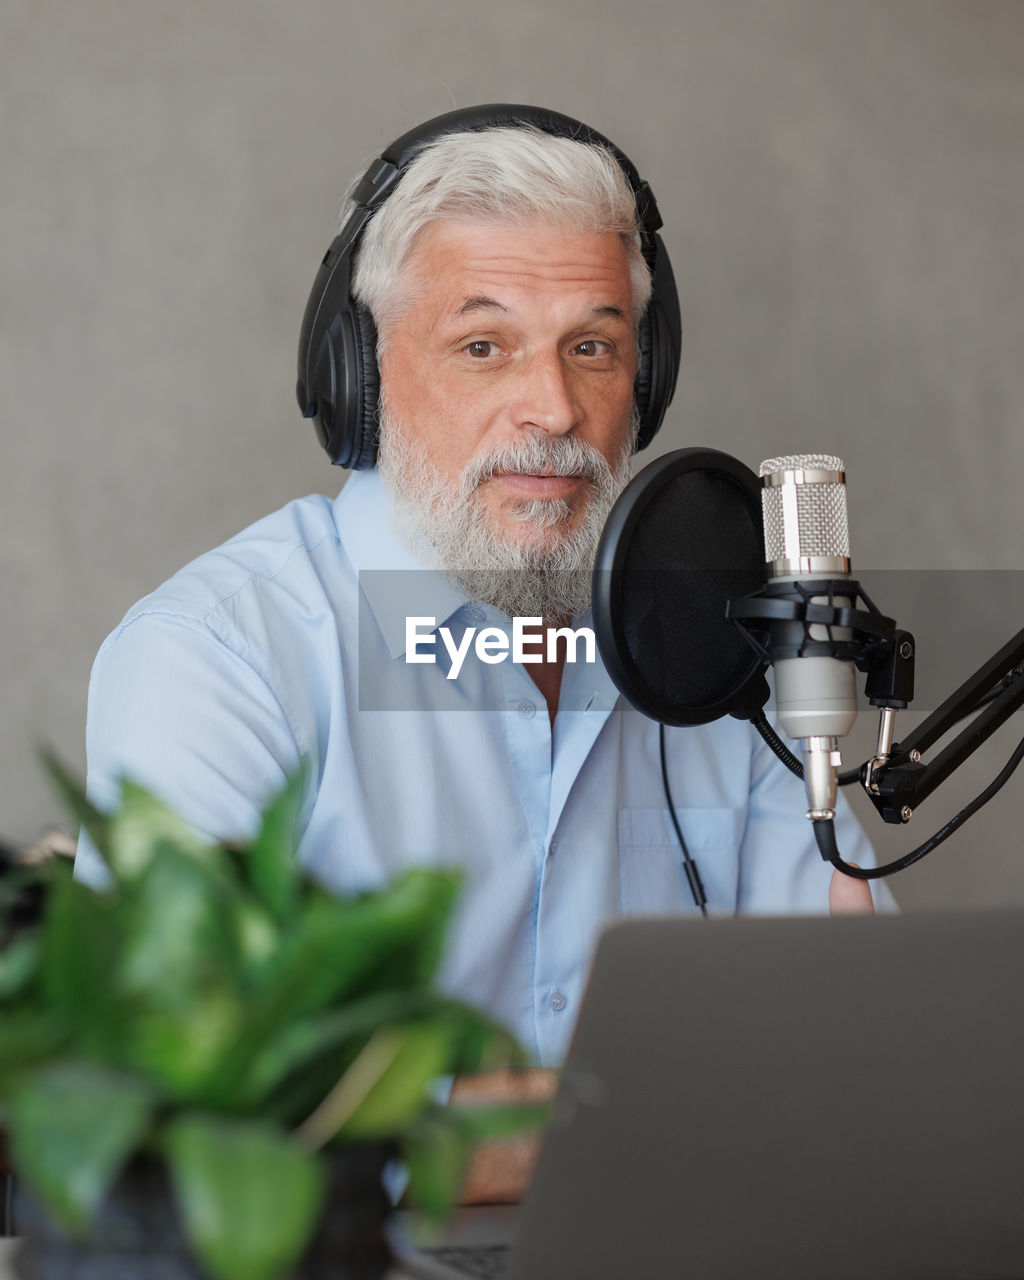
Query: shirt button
x=526, y=710
x=557, y=1001
x=553, y=847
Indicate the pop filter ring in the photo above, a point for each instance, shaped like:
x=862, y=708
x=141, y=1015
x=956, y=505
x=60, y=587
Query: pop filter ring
x=746, y=699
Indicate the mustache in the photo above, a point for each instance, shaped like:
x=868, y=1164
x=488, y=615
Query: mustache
x=538, y=455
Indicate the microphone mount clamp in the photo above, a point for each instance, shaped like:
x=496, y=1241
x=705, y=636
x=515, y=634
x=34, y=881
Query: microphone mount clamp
x=799, y=606
x=898, y=781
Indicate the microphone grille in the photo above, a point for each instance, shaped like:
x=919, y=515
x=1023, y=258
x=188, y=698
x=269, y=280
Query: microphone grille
x=802, y=462
x=806, y=519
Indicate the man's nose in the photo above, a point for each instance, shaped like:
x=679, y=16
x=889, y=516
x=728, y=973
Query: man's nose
x=546, y=395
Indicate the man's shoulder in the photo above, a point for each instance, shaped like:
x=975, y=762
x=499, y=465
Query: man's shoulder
x=294, y=553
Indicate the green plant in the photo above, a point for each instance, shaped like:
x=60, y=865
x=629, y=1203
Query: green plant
x=218, y=1009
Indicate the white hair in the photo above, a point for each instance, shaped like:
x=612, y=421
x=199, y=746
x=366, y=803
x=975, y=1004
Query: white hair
x=511, y=174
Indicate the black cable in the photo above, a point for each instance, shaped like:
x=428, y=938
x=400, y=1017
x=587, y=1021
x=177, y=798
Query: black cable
x=1001, y=687
x=824, y=832
x=690, y=867
x=772, y=739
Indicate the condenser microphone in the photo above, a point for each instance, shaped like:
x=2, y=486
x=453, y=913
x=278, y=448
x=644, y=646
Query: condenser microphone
x=807, y=552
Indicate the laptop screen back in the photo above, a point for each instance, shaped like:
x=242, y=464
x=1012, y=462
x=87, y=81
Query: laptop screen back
x=812, y=1097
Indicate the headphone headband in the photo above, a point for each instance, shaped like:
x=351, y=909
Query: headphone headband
x=339, y=382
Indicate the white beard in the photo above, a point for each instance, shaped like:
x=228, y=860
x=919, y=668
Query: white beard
x=545, y=573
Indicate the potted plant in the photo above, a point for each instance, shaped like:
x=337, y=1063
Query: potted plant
x=212, y=1058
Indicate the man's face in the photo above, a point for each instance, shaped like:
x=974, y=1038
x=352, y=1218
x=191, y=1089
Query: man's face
x=513, y=334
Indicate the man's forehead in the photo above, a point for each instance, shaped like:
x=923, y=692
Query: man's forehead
x=480, y=265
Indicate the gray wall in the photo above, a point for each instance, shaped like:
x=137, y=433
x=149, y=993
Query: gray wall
x=842, y=182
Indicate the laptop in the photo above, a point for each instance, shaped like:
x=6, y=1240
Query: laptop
x=828, y=1098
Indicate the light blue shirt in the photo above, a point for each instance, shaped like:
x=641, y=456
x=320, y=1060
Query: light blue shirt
x=289, y=642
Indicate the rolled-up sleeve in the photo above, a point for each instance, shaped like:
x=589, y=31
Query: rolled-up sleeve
x=179, y=711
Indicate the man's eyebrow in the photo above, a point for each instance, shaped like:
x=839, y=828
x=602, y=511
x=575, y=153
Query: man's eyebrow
x=615, y=313
x=480, y=303
x=483, y=303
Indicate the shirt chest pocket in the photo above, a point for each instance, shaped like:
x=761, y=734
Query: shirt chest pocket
x=651, y=872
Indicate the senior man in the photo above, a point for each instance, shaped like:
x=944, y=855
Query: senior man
x=501, y=281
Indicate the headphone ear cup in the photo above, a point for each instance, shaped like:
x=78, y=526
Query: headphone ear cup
x=366, y=400
x=339, y=383
x=660, y=344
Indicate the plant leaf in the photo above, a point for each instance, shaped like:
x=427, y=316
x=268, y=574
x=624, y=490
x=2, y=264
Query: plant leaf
x=180, y=969
x=183, y=1048
x=73, y=1125
x=478, y=1123
x=480, y=1042
x=418, y=907
x=437, y=1157
x=255, y=930
x=19, y=964
x=289, y=1075
x=28, y=1035
x=78, y=805
x=81, y=944
x=387, y=940
x=274, y=869
x=324, y=1034
x=141, y=824
x=438, y=1146
x=421, y=1054
x=175, y=942
x=248, y=1196
x=336, y=950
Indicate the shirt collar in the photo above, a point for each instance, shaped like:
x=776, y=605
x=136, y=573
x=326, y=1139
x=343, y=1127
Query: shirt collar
x=395, y=583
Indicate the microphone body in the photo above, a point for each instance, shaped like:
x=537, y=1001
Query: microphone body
x=806, y=547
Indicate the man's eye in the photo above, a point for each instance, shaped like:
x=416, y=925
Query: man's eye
x=591, y=347
x=481, y=349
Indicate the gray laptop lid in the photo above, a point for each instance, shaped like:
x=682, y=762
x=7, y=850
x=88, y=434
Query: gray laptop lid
x=814, y=1097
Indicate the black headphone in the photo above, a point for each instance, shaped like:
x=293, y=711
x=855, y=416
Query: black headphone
x=339, y=382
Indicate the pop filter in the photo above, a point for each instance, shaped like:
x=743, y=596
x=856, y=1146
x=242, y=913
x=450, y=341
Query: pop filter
x=685, y=536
